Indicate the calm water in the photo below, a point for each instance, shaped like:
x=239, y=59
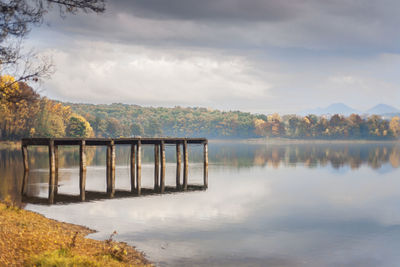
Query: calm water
x=267, y=205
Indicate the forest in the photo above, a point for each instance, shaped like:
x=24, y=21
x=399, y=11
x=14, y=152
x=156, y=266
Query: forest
x=24, y=113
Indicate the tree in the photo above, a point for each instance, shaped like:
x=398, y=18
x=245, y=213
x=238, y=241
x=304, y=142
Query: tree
x=355, y=125
x=394, y=126
x=260, y=127
x=15, y=112
x=78, y=126
x=114, y=128
x=17, y=17
x=137, y=129
x=153, y=128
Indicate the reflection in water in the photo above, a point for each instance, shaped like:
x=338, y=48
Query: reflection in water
x=240, y=155
x=95, y=195
x=267, y=205
x=310, y=155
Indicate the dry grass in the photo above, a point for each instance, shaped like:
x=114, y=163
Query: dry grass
x=30, y=239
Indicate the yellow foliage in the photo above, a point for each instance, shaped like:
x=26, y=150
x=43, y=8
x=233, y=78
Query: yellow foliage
x=394, y=126
x=78, y=126
x=259, y=126
x=17, y=107
x=274, y=117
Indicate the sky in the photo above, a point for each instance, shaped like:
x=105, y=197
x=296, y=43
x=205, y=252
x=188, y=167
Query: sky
x=256, y=55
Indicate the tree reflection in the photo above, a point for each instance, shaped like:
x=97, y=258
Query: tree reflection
x=309, y=155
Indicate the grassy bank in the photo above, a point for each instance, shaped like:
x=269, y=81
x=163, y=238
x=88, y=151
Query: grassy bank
x=30, y=239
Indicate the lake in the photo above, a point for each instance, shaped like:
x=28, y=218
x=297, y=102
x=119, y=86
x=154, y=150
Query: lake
x=326, y=204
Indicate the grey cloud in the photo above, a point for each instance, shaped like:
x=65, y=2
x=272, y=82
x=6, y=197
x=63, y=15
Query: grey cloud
x=231, y=10
x=352, y=27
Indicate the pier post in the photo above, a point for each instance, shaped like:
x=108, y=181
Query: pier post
x=162, y=155
x=205, y=169
x=26, y=169
x=178, y=165
x=25, y=183
x=133, y=167
x=56, y=174
x=52, y=171
x=185, y=165
x=111, y=169
x=139, y=167
x=156, y=166
x=25, y=157
x=108, y=165
x=82, y=169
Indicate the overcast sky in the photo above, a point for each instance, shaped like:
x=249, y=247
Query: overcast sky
x=254, y=55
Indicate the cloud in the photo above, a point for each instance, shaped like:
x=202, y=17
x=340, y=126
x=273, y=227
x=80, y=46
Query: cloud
x=260, y=56
x=107, y=73
x=216, y=10
x=353, y=26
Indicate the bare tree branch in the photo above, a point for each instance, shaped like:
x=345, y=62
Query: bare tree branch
x=17, y=17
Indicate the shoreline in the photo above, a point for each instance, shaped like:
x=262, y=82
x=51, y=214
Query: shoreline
x=29, y=238
x=302, y=141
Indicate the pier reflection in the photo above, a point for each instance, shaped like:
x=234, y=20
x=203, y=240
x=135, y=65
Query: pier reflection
x=95, y=195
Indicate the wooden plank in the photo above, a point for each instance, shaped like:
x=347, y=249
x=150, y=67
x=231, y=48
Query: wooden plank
x=156, y=167
x=162, y=156
x=185, y=165
x=107, y=141
x=178, y=166
x=139, y=168
x=98, y=142
x=82, y=170
x=35, y=141
x=126, y=141
x=205, y=168
x=52, y=171
x=133, y=167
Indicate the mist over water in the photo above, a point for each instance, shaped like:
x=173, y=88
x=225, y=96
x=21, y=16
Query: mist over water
x=267, y=204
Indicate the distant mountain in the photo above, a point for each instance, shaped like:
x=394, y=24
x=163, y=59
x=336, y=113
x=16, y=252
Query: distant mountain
x=336, y=108
x=382, y=109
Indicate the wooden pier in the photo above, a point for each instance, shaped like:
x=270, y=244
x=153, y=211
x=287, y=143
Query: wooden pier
x=135, y=161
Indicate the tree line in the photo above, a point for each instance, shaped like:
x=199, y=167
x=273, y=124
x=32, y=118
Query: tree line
x=323, y=127
x=24, y=113
x=131, y=120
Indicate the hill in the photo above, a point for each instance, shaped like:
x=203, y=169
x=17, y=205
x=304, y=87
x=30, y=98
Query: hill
x=382, y=109
x=336, y=108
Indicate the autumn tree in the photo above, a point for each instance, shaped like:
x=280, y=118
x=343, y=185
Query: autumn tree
x=260, y=127
x=51, y=119
x=355, y=125
x=394, y=126
x=114, y=128
x=78, y=126
x=137, y=129
x=153, y=128
x=16, y=112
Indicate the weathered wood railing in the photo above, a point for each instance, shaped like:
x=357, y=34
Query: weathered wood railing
x=135, y=161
